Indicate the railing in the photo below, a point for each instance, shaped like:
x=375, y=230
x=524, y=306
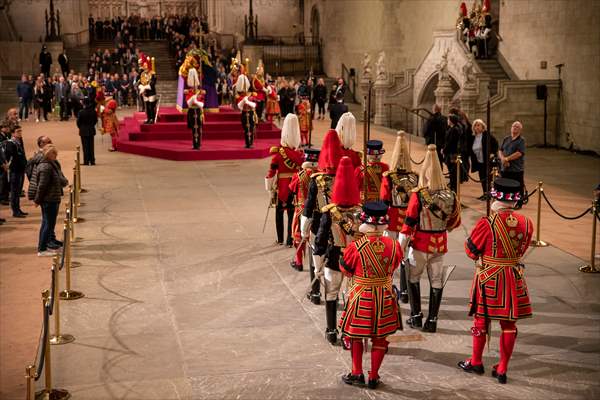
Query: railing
x=408, y=117
x=292, y=59
x=350, y=80
x=285, y=40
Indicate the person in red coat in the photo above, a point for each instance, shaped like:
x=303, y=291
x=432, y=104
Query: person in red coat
x=375, y=170
x=372, y=308
x=433, y=210
x=246, y=103
x=259, y=85
x=346, y=129
x=299, y=189
x=305, y=118
x=499, y=291
x=396, y=187
x=272, y=102
x=285, y=162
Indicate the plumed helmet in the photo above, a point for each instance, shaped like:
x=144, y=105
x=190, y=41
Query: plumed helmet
x=431, y=175
x=290, y=132
x=111, y=105
x=242, y=85
x=260, y=70
x=331, y=152
x=401, y=154
x=346, y=130
x=463, y=9
x=345, y=190
x=193, y=80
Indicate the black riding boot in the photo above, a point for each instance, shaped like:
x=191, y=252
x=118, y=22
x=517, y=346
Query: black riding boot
x=414, y=295
x=279, y=223
x=290, y=217
x=435, y=299
x=403, y=285
x=331, y=313
x=315, y=290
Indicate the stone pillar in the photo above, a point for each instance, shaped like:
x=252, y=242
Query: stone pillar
x=364, y=89
x=381, y=110
x=468, y=100
x=443, y=94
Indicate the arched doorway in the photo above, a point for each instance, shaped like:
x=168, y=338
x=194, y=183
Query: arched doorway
x=315, y=28
x=426, y=98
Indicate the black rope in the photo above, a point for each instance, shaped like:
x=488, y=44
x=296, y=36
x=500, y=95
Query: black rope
x=469, y=175
x=561, y=215
x=41, y=352
x=417, y=163
x=526, y=197
x=62, y=255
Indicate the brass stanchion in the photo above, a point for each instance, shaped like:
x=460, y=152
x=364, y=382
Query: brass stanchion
x=57, y=338
x=75, y=200
x=29, y=377
x=591, y=267
x=68, y=240
x=458, y=167
x=48, y=392
x=78, y=160
x=539, y=242
x=69, y=294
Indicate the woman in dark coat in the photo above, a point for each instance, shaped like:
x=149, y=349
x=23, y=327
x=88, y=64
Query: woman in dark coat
x=321, y=97
x=49, y=190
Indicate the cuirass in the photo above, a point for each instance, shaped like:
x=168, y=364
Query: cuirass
x=324, y=185
x=344, y=224
x=436, y=208
x=402, y=185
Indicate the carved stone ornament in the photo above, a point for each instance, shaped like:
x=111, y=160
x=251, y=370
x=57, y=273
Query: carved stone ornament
x=380, y=67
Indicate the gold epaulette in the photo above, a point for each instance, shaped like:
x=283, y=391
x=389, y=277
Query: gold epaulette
x=316, y=174
x=329, y=207
x=274, y=150
x=386, y=173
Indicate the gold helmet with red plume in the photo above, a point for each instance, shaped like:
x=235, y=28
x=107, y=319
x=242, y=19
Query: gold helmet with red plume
x=331, y=152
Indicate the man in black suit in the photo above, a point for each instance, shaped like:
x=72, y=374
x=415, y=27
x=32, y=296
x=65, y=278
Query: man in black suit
x=63, y=60
x=435, y=131
x=61, y=94
x=336, y=110
x=86, y=122
x=45, y=61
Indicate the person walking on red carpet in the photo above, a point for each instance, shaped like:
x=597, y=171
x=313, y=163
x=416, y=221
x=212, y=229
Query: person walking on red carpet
x=285, y=162
x=319, y=195
x=337, y=228
x=499, y=291
x=396, y=187
x=433, y=210
x=372, y=310
x=246, y=103
x=299, y=188
x=110, y=123
x=195, y=101
x=259, y=86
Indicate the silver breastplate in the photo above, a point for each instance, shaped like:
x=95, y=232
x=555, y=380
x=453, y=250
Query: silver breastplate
x=437, y=206
x=324, y=186
x=344, y=224
x=402, y=185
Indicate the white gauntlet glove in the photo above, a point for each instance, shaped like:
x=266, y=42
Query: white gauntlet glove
x=269, y=184
x=305, y=223
x=403, y=240
x=319, y=264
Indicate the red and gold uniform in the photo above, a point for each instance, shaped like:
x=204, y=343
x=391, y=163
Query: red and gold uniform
x=396, y=188
x=355, y=156
x=375, y=171
x=372, y=308
x=110, y=123
x=195, y=115
x=272, y=102
x=299, y=188
x=499, y=291
x=305, y=119
x=258, y=83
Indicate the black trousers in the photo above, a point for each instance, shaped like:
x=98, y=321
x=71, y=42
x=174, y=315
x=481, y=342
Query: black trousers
x=16, y=186
x=452, y=171
x=480, y=168
x=281, y=206
x=87, y=144
x=150, y=110
x=248, y=126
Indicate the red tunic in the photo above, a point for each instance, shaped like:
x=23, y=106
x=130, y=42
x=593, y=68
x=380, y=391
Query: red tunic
x=428, y=233
x=285, y=163
x=299, y=186
x=355, y=156
x=272, y=103
x=375, y=172
x=499, y=290
x=372, y=309
x=304, y=118
x=259, y=88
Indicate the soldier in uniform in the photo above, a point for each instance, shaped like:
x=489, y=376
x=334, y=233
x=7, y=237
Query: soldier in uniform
x=346, y=129
x=258, y=83
x=195, y=102
x=337, y=228
x=319, y=195
x=299, y=188
x=396, y=187
x=147, y=88
x=499, y=291
x=433, y=210
x=375, y=170
x=305, y=119
x=247, y=105
x=285, y=162
x=372, y=309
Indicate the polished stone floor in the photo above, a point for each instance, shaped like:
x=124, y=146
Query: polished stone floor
x=186, y=298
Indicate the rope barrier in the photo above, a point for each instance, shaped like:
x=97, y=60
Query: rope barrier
x=417, y=163
x=471, y=176
x=41, y=350
x=562, y=215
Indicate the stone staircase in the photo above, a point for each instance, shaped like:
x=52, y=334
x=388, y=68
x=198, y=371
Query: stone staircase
x=8, y=94
x=495, y=71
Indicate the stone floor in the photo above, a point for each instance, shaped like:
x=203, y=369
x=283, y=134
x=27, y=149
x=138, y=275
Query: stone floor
x=186, y=298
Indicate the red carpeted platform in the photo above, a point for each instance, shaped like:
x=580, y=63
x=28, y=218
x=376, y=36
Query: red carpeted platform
x=169, y=137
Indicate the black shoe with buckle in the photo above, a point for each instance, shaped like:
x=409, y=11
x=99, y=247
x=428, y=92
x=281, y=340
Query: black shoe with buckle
x=501, y=377
x=350, y=379
x=373, y=383
x=466, y=366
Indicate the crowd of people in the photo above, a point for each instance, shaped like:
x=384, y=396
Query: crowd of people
x=475, y=29
x=383, y=226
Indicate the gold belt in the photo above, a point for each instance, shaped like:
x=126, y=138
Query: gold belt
x=283, y=175
x=373, y=282
x=501, y=262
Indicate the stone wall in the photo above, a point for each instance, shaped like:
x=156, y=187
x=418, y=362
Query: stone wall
x=402, y=28
x=28, y=19
x=25, y=58
x=559, y=32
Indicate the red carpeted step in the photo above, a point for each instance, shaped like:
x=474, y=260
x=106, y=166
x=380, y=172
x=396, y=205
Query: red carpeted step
x=206, y=135
x=182, y=126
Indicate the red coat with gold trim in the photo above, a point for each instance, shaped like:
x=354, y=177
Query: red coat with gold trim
x=259, y=87
x=499, y=290
x=429, y=216
x=284, y=163
x=372, y=309
x=299, y=187
x=304, y=117
x=375, y=172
